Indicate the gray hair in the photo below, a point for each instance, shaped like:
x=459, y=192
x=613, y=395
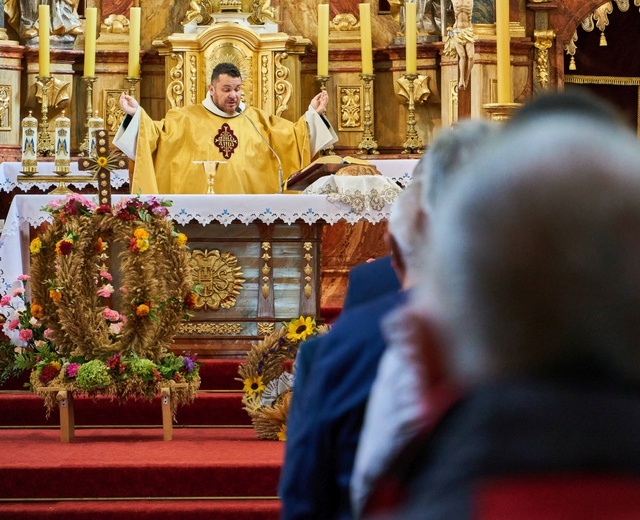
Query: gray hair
x=535, y=258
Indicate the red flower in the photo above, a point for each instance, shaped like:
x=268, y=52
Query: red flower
x=190, y=301
x=103, y=208
x=47, y=373
x=133, y=245
x=287, y=365
x=64, y=247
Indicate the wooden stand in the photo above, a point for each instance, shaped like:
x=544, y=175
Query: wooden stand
x=67, y=418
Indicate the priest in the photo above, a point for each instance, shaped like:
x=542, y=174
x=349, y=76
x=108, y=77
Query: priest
x=251, y=144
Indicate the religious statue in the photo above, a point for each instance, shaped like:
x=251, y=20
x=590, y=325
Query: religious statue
x=460, y=40
x=65, y=23
x=428, y=15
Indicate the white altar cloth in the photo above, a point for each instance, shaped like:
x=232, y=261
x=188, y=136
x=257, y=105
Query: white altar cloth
x=9, y=177
x=26, y=213
x=399, y=170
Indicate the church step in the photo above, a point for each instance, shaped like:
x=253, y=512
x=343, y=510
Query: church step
x=23, y=409
x=99, y=464
x=224, y=509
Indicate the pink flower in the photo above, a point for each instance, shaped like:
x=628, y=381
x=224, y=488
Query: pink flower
x=24, y=277
x=106, y=291
x=5, y=300
x=115, y=328
x=25, y=334
x=14, y=324
x=48, y=333
x=106, y=275
x=110, y=314
x=72, y=369
x=18, y=291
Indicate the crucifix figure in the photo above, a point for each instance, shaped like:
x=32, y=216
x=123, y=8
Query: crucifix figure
x=460, y=40
x=102, y=164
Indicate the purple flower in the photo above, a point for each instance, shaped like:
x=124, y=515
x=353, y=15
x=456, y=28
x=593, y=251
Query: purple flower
x=189, y=364
x=72, y=369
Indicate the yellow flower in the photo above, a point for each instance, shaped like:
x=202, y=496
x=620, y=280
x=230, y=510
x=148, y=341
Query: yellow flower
x=253, y=385
x=141, y=233
x=142, y=310
x=142, y=244
x=55, y=364
x=282, y=433
x=56, y=296
x=301, y=328
x=102, y=162
x=35, y=246
x=181, y=239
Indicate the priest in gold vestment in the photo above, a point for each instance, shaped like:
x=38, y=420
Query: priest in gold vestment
x=221, y=128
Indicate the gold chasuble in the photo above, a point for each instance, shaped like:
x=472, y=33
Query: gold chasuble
x=166, y=150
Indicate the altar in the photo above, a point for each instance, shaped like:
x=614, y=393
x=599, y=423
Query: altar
x=260, y=259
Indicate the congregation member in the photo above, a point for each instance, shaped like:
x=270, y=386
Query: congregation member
x=251, y=144
x=396, y=411
x=323, y=434
x=532, y=292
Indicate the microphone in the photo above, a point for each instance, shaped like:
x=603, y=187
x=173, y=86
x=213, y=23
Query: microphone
x=280, y=182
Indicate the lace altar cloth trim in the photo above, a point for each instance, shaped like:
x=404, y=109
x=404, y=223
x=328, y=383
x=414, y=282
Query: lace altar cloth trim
x=9, y=172
x=361, y=193
x=25, y=213
x=399, y=170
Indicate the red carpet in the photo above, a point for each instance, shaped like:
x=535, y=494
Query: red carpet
x=223, y=473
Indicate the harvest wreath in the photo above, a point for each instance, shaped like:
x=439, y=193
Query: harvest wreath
x=88, y=346
x=268, y=378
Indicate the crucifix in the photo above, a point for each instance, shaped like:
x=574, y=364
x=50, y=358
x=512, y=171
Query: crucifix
x=102, y=164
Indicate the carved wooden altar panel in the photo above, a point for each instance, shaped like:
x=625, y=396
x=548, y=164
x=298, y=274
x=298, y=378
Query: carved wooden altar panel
x=253, y=278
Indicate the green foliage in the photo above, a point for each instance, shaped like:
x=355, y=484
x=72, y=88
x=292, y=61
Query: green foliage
x=93, y=375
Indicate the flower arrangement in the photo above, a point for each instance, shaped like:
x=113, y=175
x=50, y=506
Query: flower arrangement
x=268, y=379
x=81, y=334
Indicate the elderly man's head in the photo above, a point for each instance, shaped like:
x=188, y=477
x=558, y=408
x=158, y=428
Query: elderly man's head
x=535, y=256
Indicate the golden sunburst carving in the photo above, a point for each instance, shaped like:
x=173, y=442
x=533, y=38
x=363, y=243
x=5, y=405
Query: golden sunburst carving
x=220, y=277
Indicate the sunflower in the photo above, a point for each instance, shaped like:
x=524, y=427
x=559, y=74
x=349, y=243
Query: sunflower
x=253, y=385
x=300, y=328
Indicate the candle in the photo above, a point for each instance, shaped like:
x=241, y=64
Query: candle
x=29, y=144
x=365, y=38
x=90, y=42
x=43, y=33
x=134, y=43
x=503, y=57
x=323, y=40
x=411, y=38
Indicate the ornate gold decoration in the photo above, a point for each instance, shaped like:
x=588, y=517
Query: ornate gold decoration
x=217, y=329
x=84, y=146
x=266, y=328
x=308, y=270
x=5, y=107
x=415, y=89
x=543, y=42
x=101, y=164
x=113, y=114
x=265, y=79
x=175, y=89
x=368, y=143
x=193, y=77
x=266, y=268
x=282, y=87
x=199, y=11
x=570, y=48
x=345, y=22
x=261, y=12
x=230, y=6
x=115, y=24
x=500, y=111
x=453, y=101
x=45, y=146
x=350, y=108
x=220, y=277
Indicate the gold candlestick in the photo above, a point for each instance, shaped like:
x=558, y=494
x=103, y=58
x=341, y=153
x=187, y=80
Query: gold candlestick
x=415, y=89
x=132, y=85
x=84, y=147
x=45, y=146
x=368, y=142
x=323, y=80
